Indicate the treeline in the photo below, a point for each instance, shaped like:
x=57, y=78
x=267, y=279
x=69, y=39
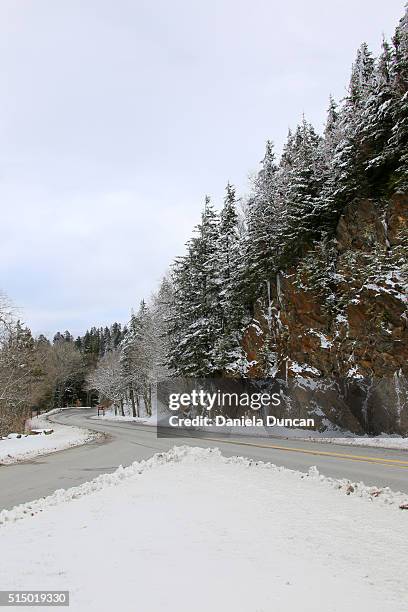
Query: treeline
x=96, y=342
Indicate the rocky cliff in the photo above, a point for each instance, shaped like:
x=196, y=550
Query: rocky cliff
x=337, y=323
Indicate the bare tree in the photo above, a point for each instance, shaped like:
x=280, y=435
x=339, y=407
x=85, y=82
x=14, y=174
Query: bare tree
x=19, y=372
x=108, y=380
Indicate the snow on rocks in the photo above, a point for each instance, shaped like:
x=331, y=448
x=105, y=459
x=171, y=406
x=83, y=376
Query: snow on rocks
x=324, y=341
x=303, y=368
x=192, y=530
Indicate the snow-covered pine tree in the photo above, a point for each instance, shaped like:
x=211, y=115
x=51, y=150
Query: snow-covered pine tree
x=160, y=314
x=378, y=121
x=227, y=348
x=398, y=143
x=348, y=175
x=300, y=175
x=127, y=364
x=195, y=305
x=327, y=205
x=263, y=220
x=137, y=359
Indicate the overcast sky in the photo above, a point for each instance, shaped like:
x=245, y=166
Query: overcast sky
x=118, y=116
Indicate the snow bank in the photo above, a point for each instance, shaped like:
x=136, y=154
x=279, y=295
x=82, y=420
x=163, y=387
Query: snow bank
x=192, y=530
x=331, y=435
x=110, y=416
x=14, y=449
x=396, y=442
x=181, y=453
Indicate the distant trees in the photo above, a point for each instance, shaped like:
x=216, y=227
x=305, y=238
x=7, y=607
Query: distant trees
x=98, y=341
x=64, y=371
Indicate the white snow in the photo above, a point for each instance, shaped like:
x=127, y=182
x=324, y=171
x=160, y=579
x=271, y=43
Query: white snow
x=342, y=319
x=324, y=341
x=256, y=326
x=111, y=416
x=353, y=372
x=378, y=289
x=331, y=435
x=14, y=449
x=383, y=441
x=301, y=368
x=191, y=530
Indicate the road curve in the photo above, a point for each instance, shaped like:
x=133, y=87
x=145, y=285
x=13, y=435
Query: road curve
x=126, y=442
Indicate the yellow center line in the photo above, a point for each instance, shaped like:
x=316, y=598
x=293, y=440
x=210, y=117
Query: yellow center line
x=378, y=460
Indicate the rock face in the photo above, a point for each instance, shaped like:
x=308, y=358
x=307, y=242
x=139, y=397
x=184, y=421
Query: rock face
x=338, y=323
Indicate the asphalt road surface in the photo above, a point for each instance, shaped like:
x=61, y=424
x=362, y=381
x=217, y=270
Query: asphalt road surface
x=126, y=442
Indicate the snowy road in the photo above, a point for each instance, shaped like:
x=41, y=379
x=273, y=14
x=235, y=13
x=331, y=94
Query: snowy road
x=127, y=442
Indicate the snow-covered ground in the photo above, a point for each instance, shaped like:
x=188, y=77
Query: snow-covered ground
x=111, y=416
x=396, y=442
x=331, y=436
x=14, y=449
x=191, y=530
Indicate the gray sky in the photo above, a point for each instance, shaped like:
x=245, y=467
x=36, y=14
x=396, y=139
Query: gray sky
x=118, y=116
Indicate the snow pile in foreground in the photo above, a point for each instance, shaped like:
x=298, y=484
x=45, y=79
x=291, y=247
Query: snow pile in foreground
x=16, y=449
x=192, y=530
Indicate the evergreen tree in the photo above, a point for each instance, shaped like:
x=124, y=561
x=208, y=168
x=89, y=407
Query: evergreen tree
x=195, y=306
x=227, y=343
x=398, y=143
x=301, y=173
x=264, y=215
x=348, y=168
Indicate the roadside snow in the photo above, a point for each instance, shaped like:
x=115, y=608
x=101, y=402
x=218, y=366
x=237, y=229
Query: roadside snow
x=379, y=442
x=192, y=530
x=14, y=449
x=330, y=436
x=110, y=416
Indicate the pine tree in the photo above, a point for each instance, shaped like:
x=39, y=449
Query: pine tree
x=263, y=220
x=398, y=144
x=348, y=167
x=301, y=172
x=227, y=343
x=195, y=304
